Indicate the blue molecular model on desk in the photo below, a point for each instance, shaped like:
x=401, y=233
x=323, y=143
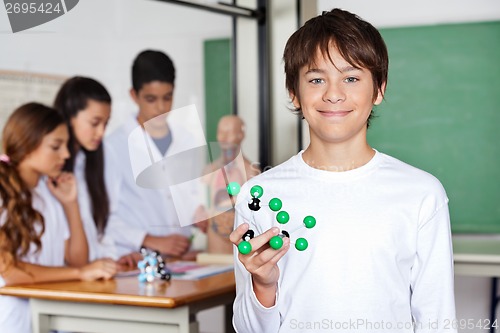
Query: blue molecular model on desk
x=282, y=217
x=152, y=266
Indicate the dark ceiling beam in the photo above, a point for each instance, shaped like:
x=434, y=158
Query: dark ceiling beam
x=220, y=8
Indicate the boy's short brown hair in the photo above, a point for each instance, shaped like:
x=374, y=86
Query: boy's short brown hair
x=357, y=41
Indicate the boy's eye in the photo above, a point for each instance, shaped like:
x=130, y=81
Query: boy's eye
x=316, y=81
x=351, y=79
x=150, y=99
x=55, y=148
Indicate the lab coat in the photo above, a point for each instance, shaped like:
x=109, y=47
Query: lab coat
x=159, y=204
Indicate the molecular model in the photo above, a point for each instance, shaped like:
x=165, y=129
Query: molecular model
x=152, y=266
x=282, y=217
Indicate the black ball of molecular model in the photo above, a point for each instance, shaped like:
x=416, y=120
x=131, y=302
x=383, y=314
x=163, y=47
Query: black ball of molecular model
x=282, y=217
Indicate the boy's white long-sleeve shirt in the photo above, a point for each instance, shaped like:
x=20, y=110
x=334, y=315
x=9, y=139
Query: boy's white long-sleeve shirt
x=379, y=258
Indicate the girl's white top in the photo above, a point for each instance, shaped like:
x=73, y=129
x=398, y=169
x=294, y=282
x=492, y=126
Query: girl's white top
x=15, y=313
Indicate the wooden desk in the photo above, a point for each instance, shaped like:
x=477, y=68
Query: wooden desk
x=124, y=305
x=479, y=256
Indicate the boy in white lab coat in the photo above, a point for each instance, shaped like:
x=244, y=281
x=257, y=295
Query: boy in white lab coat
x=145, y=216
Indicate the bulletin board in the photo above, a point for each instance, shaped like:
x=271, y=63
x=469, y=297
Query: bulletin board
x=18, y=87
x=442, y=114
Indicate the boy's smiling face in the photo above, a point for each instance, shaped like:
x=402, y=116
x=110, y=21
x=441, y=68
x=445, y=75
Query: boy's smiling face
x=336, y=99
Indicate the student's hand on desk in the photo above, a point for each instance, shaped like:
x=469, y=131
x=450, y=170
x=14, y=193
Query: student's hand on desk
x=174, y=245
x=190, y=256
x=262, y=261
x=63, y=187
x=99, y=269
x=129, y=261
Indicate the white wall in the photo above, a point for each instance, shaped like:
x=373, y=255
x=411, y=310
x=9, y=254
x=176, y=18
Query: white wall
x=247, y=81
x=101, y=38
x=390, y=13
x=284, y=124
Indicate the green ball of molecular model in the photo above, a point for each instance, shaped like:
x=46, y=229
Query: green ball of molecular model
x=301, y=244
x=276, y=242
x=283, y=217
x=245, y=247
x=275, y=204
x=309, y=222
x=233, y=188
x=256, y=191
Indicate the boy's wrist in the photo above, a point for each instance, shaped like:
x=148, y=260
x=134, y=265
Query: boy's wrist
x=265, y=293
x=263, y=286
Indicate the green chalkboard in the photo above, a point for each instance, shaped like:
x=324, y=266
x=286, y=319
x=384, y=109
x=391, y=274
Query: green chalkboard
x=442, y=114
x=217, y=65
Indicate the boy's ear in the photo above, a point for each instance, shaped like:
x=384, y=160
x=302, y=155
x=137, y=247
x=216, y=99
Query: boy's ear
x=380, y=94
x=295, y=100
x=134, y=96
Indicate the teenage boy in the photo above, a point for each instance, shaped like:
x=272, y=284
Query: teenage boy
x=144, y=216
x=379, y=258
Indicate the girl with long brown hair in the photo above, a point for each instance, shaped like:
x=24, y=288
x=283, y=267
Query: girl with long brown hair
x=85, y=105
x=38, y=236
